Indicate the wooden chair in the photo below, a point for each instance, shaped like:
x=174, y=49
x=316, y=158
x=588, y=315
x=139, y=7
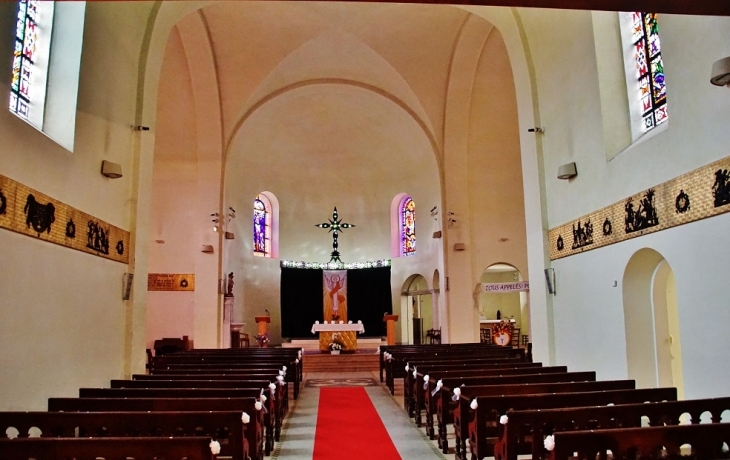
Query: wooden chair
x=485, y=335
x=525, y=339
x=244, y=338
x=515, y=337
x=433, y=336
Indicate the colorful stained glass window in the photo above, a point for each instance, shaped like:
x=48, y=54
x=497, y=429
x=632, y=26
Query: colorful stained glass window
x=261, y=226
x=650, y=69
x=408, y=226
x=24, y=55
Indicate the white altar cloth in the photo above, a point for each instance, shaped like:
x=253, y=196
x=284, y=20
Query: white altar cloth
x=359, y=328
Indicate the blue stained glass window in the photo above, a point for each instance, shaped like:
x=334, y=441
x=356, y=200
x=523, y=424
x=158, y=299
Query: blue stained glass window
x=408, y=226
x=650, y=69
x=261, y=227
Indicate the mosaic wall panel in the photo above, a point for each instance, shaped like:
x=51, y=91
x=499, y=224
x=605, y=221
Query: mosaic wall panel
x=170, y=282
x=27, y=211
x=698, y=194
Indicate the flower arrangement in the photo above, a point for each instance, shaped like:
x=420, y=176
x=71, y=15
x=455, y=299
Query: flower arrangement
x=335, y=317
x=336, y=344
x=502, y=333
x=262, y=339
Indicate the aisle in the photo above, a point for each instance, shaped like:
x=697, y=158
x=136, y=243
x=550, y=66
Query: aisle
x=298, y=434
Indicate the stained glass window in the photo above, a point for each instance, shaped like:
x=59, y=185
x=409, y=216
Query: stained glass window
x=650, y=69
x=408, y=226
x=261, y=226
x=24, y=55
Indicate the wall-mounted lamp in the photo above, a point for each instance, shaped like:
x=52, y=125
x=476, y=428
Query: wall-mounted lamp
x=111, y=170
x=230, y=236
x=721, y=72
x=459, y=247
x=567, y=171
x=437, y=234
x=208, y=248
x=215, y=221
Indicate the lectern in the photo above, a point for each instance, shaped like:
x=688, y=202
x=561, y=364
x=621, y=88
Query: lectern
x=263, y=324
x=390, y=320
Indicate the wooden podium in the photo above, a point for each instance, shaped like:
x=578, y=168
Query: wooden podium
x=390, y=322
x=263, y=324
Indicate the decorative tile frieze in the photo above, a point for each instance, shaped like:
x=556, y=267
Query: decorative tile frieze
x=32, y=213
x=698, y=194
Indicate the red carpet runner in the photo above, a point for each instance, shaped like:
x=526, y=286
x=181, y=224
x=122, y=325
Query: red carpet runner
x=349, y=427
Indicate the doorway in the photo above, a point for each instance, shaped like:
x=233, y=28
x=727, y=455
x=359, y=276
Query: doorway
x=416, y=310
x=651, y=318
x=506, y=305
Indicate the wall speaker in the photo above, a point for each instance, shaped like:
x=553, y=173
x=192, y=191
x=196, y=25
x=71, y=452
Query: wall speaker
x=567, y=171
x=207, y=248
x=127, y=285
x=111, y=170
x=721, y=72
x=550, y=280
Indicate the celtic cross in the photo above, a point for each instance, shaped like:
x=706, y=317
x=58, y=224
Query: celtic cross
x=335, y=225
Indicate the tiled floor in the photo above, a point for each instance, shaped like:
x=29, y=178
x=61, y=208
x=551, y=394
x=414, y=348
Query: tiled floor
x=297, y=437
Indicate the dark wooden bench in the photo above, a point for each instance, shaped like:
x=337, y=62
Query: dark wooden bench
x=183, y=448
x=469, y=393
x=525, y=430
x=449, y=383
x=438, y=399
x=394, y=353
x=225, y=427
x=483, y=421
x=254, y=430
x=706, y=440
x=425, y=365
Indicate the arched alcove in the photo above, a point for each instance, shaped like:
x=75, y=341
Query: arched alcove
x=509, y=305
x=653, y=345
x=416, y=310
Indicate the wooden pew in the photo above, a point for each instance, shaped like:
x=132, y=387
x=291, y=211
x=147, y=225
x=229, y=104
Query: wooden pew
x=225, y=427
x=482, y=422
x=525, y=431
x=449, y=383
x=395, y=364
x=706, y=440
x=271, y=419
x=438, y=399
x=254, y=430
x=183, y=448
x=468, y=394
x=391, y=354
x=274, y=397
x=445, y=363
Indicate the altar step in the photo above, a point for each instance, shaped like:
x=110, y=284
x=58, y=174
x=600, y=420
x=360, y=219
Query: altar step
x=368, y=344
x=356, y=362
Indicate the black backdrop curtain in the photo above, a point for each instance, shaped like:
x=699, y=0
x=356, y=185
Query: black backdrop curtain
x=368, y=298
x=301, y=301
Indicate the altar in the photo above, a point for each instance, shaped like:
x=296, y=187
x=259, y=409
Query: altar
x=346, y=334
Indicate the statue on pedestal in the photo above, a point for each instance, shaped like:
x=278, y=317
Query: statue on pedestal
x=229, y=289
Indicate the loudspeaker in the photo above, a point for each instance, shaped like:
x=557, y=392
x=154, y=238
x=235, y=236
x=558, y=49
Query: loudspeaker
x=721, y=72
x=111, y=170
x=127, y=285
x=567, y=171
x=550, y=280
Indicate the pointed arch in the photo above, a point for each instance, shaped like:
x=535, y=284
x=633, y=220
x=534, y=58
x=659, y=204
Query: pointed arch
x=403, y=226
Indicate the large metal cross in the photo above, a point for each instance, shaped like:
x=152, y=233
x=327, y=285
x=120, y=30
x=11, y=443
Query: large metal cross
x=335, y=225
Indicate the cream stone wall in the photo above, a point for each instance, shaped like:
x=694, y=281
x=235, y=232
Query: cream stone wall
x=63, y=316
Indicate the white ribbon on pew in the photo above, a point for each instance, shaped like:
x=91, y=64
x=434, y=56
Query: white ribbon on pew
x=415, y=372
x=439, y=384
x=300, y=354
x=272, y=388
x=457, y=393
x=215, y=447
x=283, y=368
x=503, y=420
x=425, y=382
x=281, y=373
x=474, y=406
x=549, y=443
x=296, y=361
x=258, y=405
x=262, y=398
x=280, y=379
x=245, y=418
x=408, y=366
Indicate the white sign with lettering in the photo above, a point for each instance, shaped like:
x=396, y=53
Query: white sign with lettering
x=500, y=288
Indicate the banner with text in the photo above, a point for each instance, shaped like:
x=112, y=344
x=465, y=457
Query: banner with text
x=501, y=288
